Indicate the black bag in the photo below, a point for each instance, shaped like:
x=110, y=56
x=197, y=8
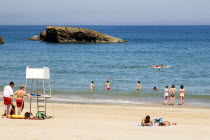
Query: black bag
x=27, y=114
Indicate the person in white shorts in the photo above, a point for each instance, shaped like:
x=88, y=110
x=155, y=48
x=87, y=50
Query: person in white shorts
x=166, y=98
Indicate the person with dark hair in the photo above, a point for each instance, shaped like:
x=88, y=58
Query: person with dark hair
x=146, y=121
x=181, y=94
x=173, y=93
x=155, y=89
x=8, y=95
x=108, y=85
x=166, y=95
x=138, y=86
x=92, y=86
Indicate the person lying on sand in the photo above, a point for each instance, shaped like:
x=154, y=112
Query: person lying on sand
x=146, y=121
x=166, y=123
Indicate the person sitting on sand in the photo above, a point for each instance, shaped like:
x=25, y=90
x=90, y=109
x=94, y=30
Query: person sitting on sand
x=108, y=85
x=138, y=86
x=19, y=101
x=166, y=123
x=157, y=66
x=181, y=94
x=146, y=121
x=155, y=89
x=92, y=85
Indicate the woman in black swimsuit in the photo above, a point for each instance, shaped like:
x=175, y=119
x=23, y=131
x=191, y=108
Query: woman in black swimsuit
x=173, y=91
x=166, y=123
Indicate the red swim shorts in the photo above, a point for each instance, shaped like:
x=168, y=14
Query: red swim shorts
x=7, y=100
x=108, y=88
x=19, y=103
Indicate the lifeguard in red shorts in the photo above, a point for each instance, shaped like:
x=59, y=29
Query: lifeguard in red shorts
x=19, y=101
x=8, y=93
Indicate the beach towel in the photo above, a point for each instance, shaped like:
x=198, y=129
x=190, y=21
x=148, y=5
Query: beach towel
x=146, y=126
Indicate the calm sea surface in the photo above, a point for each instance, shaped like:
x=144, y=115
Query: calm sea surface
x=73, y=66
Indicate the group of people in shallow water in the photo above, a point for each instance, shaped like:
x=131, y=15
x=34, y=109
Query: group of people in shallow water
x=9, y=96
x=172, y=90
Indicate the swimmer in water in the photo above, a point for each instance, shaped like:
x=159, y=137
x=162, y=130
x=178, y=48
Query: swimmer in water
x=92, y=86
x=138, y=86
x=108, y=85
x=155, y=89
x=157, y=66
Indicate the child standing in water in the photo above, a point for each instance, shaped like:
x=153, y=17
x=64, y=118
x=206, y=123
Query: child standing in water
x=166, y=95
x=173, y=91
x=92, y=85
x=138, y=86
x=181, y=94
x=108, y=85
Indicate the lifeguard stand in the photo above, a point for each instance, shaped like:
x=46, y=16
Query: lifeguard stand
x=38, y=81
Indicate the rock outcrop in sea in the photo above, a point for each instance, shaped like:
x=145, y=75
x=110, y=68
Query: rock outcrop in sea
x=1, y=40
x=74, y=35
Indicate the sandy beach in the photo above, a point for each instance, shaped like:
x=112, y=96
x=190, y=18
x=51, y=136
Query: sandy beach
x=109, y=122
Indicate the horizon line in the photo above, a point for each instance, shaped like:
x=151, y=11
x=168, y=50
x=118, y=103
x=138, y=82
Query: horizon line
x=104, y=25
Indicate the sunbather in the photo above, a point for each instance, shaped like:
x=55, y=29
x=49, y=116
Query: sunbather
x=146, y=121
x=166, y=123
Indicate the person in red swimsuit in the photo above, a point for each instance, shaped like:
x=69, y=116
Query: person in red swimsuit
x=8, y=95
x=19, y=101
x=108, y=85
x=157, y=66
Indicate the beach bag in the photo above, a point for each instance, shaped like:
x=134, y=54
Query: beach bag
x=40, y=115
x=27, y=114
x=158, y=120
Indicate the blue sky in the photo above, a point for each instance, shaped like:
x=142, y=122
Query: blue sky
x=105, y=12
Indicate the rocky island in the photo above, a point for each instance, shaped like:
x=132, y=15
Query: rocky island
x=1, y=40
x=74, y=35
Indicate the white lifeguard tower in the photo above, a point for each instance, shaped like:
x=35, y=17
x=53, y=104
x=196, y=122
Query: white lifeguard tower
x=38, y=85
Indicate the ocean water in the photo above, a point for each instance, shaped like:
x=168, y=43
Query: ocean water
x=186, y=49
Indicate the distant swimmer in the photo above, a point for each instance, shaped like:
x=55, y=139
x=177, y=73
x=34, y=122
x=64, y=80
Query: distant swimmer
x=108, y=85
x=157, y=66
x=155, y=89
x=138, y=86
x=92, y=86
